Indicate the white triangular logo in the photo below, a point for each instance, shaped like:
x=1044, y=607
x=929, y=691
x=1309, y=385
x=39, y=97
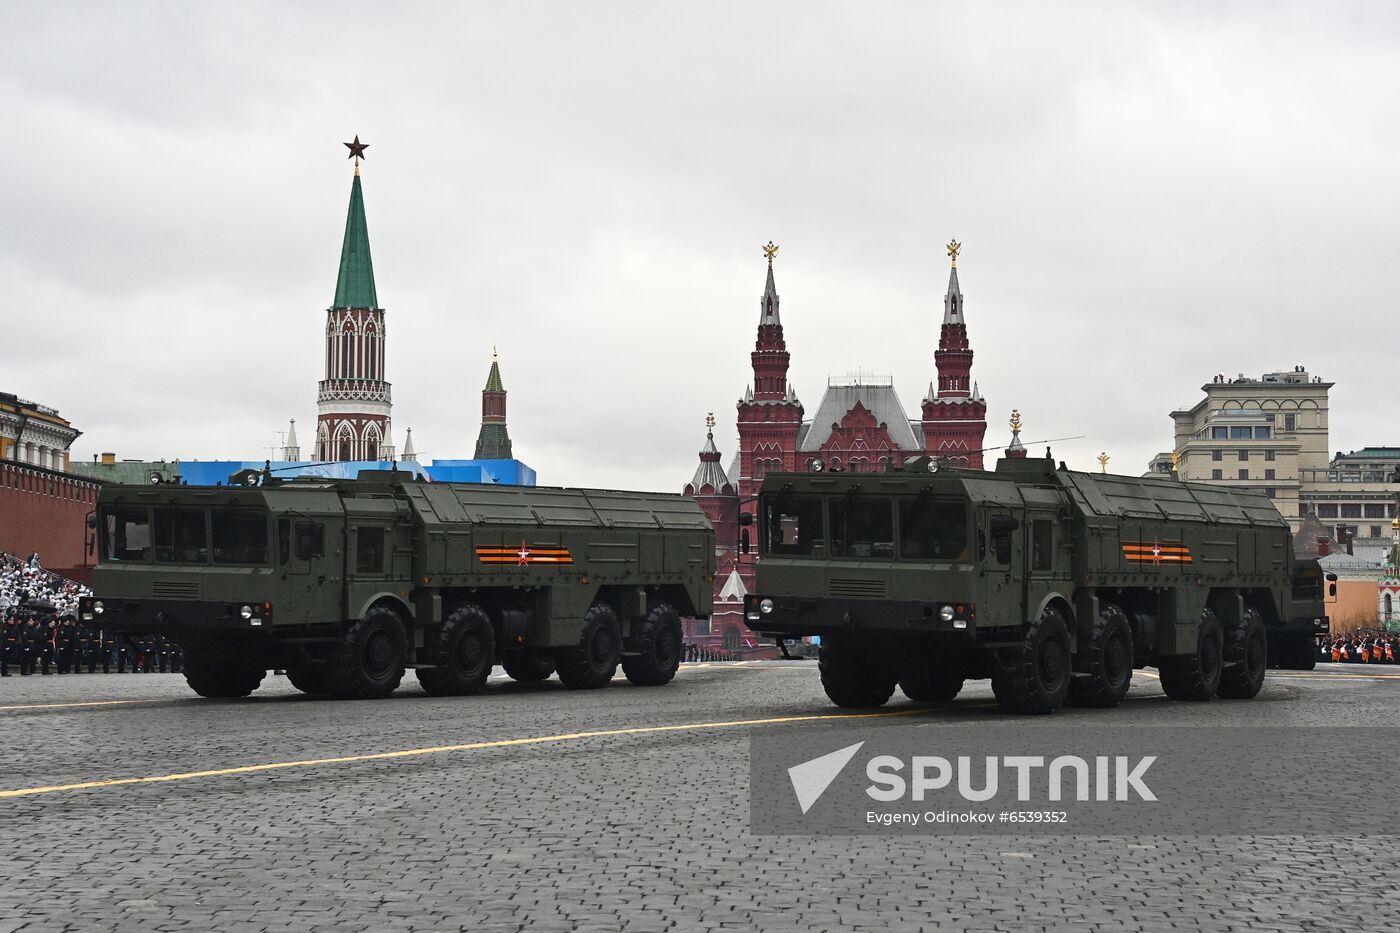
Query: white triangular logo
x=811, y=778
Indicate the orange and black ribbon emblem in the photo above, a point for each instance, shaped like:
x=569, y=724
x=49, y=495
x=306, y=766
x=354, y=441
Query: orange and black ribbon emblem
x=1157, y=553
x=523, y=556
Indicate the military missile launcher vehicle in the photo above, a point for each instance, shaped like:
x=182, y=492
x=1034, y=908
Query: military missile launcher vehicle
x=1054, y=584
x=347, y=583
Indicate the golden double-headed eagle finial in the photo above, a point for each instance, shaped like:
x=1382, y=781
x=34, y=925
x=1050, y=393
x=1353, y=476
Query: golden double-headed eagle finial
x=1176, y=460
x=954, y=247
x=710, y=420
x=770, y=251
x=1015, y=421
x=1103, y=461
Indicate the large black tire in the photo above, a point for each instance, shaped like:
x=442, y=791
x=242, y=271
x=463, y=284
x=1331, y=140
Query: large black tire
x=1038, y=679
x=1104, y=664
x=221, y=678
x=592, y=662
x=856, y=673
x=526, y=666
x=658, y=642
x=1195, y=676
x=931, y=673
x=1246, y=659
x=369, y=662
x=462, y=656
x=313, y=679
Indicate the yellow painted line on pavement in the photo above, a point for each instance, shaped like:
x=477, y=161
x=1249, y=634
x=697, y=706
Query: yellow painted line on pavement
x=442, y=749
x=1301, y=675
x=87, y=703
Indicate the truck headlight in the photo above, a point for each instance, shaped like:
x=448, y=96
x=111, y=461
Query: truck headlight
x=246, y=612
x=98, y=608
x=946, y=613
x=766, y=606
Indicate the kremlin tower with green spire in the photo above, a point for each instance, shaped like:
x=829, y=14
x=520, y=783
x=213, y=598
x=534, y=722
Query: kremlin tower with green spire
x=493, y=442
x=354, y=401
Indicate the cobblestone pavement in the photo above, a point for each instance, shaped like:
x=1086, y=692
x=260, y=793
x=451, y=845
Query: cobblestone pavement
x=641, y=830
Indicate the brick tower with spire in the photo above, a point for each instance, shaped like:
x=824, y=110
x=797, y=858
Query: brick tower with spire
x=353, y=400
x=770, y=416
x=493, y=441
x=955, y=414
x=712, y=488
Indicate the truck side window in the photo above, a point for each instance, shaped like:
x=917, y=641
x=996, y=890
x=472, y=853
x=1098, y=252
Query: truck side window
x=284, y=540
x=369, y=550
x=1042, y=544
x=999, y=532
x=311, y=540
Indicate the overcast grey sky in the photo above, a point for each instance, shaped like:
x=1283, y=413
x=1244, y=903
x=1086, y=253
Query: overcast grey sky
x=1147, y=195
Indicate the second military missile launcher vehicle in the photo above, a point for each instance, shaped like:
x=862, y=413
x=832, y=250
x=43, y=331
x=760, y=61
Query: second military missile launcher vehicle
x=1054, y=584
x=347, y=583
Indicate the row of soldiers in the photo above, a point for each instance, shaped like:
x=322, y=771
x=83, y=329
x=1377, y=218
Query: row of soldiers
x=703, y=653
x=1360, y=648
x=35, y=642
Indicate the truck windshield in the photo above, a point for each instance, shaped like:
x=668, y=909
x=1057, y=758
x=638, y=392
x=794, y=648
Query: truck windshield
x=240, y=537
x=933, y=529
x=862, y=526
x=180, y=537
x=126, y=534
x=793, y=525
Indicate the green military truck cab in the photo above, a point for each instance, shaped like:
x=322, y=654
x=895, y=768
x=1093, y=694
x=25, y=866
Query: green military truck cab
x=345, y=584
x=1054, y=584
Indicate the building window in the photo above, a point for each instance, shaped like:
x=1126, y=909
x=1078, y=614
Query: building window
x=1244, y=474
x=1290, y=422
x=1240, y=433
x=1263, y=433
x=1302, y=509
x=1216, y=474
x=1375, y=531
x=1326, y=511
x=1270, y=455
x=1376, y=510
x=1217, y=455
x=1270, y=491
x=1269, y=474
x=1351, y=510
x=1244, y=456
x=1220, y=433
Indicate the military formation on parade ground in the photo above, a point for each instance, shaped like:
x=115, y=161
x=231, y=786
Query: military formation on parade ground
x=1360, y=648
x=34, y=642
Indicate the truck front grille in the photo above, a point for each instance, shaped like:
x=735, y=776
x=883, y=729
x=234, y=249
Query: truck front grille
x=863, y=589
x=176, y=589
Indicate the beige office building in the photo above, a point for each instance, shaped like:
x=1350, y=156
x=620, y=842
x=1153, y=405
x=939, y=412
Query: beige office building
x=1264, y=434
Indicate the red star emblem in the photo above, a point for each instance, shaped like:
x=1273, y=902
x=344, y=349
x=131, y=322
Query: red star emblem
x=524, y=553
x=1156, y=553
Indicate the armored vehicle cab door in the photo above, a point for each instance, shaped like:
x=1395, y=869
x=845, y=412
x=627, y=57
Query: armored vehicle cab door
x=380, y=555
x=312, y=567
x=999, y=550
x=1044, y=568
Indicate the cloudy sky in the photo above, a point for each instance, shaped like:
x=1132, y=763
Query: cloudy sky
x=1147, y=196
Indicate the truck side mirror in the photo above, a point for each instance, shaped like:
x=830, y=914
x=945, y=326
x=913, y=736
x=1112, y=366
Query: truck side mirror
x=744, y=541
x=745, y=519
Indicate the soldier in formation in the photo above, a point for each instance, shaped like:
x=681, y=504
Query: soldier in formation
x=1365, y=647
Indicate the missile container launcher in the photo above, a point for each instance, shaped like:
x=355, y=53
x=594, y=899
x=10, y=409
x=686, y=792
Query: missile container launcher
x=1054, y=584
x=346, y=583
